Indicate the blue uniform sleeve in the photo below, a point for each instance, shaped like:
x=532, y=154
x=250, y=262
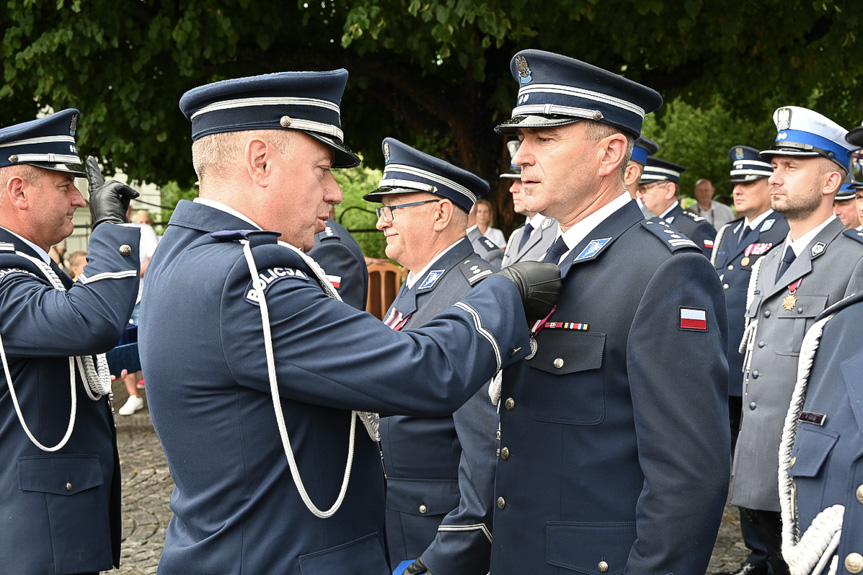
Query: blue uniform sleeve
x=463, y=541
x=327, y=353
x=678, y=378
x=39, y=320
x=352, y=274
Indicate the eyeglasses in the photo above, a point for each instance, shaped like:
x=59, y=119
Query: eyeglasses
x=386, y=212
x=646, y=187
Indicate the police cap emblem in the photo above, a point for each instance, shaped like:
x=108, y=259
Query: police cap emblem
x=738, y=154
x=73, y=124
x=783, y=118
x=386, y=152
x=523, y=69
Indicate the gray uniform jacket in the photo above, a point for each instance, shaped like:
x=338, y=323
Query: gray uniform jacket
x=536, y=246
x=830, y=269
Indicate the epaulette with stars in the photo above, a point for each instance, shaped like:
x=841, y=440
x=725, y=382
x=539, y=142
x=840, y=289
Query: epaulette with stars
x=694, y=217
x=670, y=237
x=475, y=269
x=854, y=234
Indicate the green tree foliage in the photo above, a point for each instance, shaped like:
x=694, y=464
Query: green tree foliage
x=433, y=73
x=355, y=213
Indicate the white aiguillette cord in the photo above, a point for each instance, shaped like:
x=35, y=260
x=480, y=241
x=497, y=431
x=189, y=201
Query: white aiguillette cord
x=370, y=420
x=810, y=553
x=96, y=375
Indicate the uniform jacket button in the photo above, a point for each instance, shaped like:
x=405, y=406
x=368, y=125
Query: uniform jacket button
x=602, y=566
x=504, y=453
x=767, y=313
x=761, y=343
x=752, y=406
x=725, y=286
x=558, y=363
x=860, y=494
x=854, y=563
x=68, y=486
x=125, y=250
x=501, y=502
x=509, y=403
x=423, y=508
x=730, y=266
x=755, y=374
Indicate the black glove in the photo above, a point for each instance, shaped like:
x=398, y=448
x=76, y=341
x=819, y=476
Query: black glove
x=538, y=283
x=108, y=200
x=416, y=567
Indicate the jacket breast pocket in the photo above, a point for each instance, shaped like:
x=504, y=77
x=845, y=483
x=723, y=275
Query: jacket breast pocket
x=570, y=387
x=364, y=555
x=791, y=324
x=812, y=448
x=589, y=548
x=77, y=503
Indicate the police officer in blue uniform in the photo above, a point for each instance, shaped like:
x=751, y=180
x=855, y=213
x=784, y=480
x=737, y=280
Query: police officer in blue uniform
x=60, y=482
x=820, y=466
x=818, y=264
x=614, y=454
x=739, y=244
x=340, y=255
x=439, y=470
x=821, y=481
x=254, y=405
x=641, y=149
x=658, y=189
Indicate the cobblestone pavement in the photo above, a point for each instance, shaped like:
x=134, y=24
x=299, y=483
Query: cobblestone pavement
x=147, y=489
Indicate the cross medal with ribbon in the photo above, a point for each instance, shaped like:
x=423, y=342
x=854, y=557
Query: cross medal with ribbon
x=791, y=299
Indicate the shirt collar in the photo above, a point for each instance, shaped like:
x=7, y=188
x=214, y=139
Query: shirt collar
x=223, y=208
x=758, y=219
x=536, y=221
x=412, y=278
x=39, y=251
x=579, y=231
x=799, y=245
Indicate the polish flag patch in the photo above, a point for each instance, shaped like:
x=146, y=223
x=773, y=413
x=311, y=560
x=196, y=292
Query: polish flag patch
x=708, y=244
x=693, y=319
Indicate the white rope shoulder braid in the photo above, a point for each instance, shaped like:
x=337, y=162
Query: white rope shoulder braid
x=370, y=420
x=811, y=553
x=717, y=241
x=96, y=374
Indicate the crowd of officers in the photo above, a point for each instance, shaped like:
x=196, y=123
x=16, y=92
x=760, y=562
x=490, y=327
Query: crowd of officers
x=576, y=411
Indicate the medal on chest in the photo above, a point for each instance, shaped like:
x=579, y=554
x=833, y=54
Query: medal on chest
x=791, y=299
x=538, y=326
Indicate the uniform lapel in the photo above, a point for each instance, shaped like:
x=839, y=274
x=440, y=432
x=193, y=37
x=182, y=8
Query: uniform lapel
x=803, y=264
x=602, y=236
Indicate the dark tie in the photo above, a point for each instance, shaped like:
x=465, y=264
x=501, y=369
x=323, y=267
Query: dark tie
x=557, y=249
x=744, y=237
x=525, y=235
x=786, y=261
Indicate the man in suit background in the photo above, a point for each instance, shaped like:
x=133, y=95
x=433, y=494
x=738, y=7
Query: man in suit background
x=529, y=241
x=739, y=245
x=816, y=266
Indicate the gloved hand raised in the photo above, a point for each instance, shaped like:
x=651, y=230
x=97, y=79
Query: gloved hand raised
x=538, y=283
x=108, y=200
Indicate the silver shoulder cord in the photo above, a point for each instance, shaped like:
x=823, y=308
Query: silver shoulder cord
x=96, y=374
x=811, y=553
x=370, y=420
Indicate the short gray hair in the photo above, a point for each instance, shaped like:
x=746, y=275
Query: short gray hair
x=597, y=131
x=214, y=154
